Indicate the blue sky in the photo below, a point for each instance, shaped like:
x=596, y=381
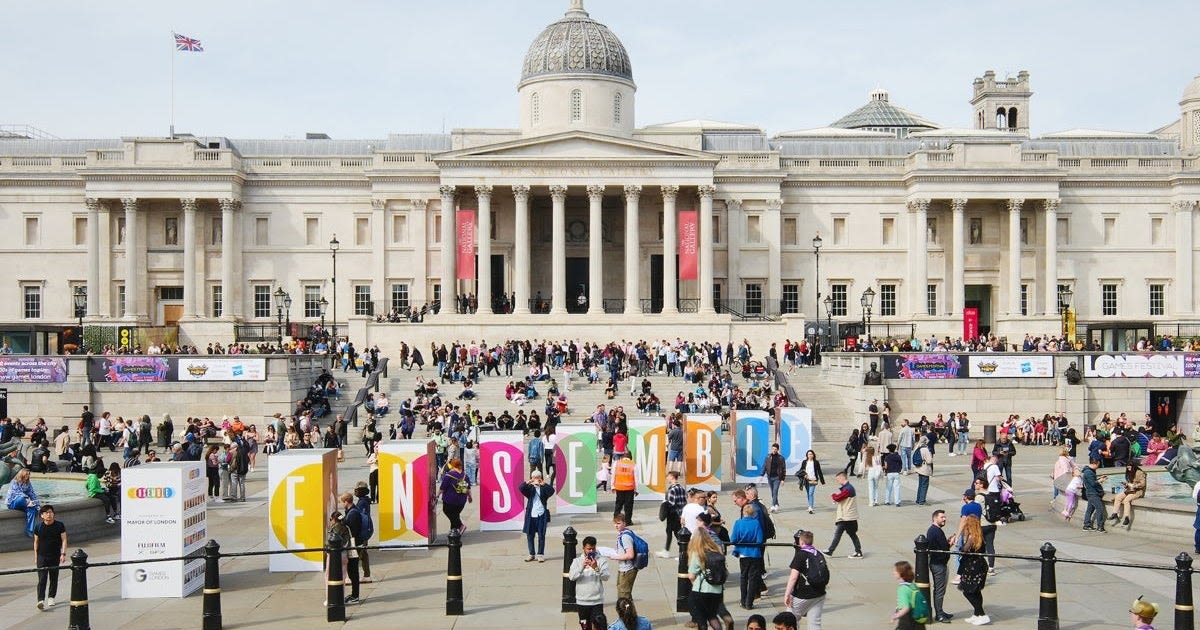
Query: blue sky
x=363, y=69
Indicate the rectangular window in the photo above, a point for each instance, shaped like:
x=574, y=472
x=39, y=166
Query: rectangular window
x=888, y=231
x=839, y=230
x=1158, y=299
x=1108, y=299
x=120, y=300
x=362, y=300
x=1063, y=232
x=754, y=296
x=170, y=293
x=437, y=292
x=791, y=233
x=400, y=297
x=262, y=300
x=312, y=230
x=217, y=231
x=31, y=231
x=753, y=228
x=887, y=300
x=1110, y=230
x=1024, y=297
x=170, y=230
x=362, y=231
x=33, y=302
x=312, y=301
x=262, y=231
x=81, y=230
x=931, y=304
x=716, y=293
x=1156, y=230
x=791, y=299
x=838, y=293
x=399, y=229
x=218, y=301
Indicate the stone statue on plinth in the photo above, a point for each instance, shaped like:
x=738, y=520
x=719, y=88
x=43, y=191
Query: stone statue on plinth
x=873, y=377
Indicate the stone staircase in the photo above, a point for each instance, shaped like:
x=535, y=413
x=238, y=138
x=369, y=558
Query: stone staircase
x=832, y=420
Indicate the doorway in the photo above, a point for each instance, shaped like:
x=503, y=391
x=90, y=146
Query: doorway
x=1164, y=409
x=980, y=296
x=657, y=279
x=577, y=285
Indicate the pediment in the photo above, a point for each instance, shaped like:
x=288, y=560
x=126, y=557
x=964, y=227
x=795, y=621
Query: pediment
x=576, y=146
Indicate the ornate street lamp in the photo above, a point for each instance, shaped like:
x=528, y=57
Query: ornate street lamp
x=816, y=245
x=322, y=305
x=80, y=308
x=829, y=321
x=287, y=313
x=334, y=245
x=280, y=296
x=1064, y=306
x=866, y=301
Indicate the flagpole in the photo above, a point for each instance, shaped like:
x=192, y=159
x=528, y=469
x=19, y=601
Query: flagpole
x=172, y=85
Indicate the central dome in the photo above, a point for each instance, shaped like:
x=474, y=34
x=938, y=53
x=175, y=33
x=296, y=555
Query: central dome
x=574, y=45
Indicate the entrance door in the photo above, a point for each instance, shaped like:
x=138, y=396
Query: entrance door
x=1164, y=409
x=172, y=313
x=980, y=296
x=577, y=285
x=499, y=291
x=656, y=283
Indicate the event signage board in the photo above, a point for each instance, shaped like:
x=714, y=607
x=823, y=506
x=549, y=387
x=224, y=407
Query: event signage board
x=33, y=369
x=465, y=231
x=1157, y=365
x=989, y=365
x=163, y=515
x=232, y=369
x=160, y=369
x=575, y=469
x=648, y=444
x=407, y=493
x=924, y=366
x=751, y=442
x=702, y=450
x=501, y=471
x=301, y=494
x=795, y=435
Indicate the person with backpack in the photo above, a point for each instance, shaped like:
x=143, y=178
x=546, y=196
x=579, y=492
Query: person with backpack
x=632, y=554
x=536, y=452
x=671, y=509
x=708, y=573
x=760, y=511
x=352, y=518
x=807, y=581
x=912, y=609
x=455, y=492
x=922, y=461
x=747, y=539
x=362, y=503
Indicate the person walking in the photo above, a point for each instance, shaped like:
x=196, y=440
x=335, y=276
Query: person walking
x=846, y=518
x=589, y=571
x=938, y=560
x=805, y=592
x=353, y=520
x=625, y=485
x=537, y=514
x=1093, y=492
x=906, y=592
x=239, y=467
x=811, y=476
x=775, y=468
x=1004, y=450
x=705, y=598
x=972, y=569
x=874, y=464
x=893, y=465
x=50, y=551
x=455, y=492
x=626, y=557
x=676, y=500
x=362, y=504
x=747, y=539
x=924, y=469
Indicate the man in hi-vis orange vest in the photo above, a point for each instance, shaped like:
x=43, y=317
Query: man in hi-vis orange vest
x=624, y=483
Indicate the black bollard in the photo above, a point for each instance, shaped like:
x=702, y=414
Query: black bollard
x=1048, y=608
x=922, y=566
x=212, y=586
x=570, y=550
x=683, y=586
x=78, y=619
x=335, y=596
x=454, y=585
x=1185, y=612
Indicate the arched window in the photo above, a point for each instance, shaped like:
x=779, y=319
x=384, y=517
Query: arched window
x=535, y=109
x=1012, y=119
x=617, y=108
x=1001, y=118
x=576, y=105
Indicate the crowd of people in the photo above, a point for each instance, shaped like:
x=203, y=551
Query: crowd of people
x=992, y=343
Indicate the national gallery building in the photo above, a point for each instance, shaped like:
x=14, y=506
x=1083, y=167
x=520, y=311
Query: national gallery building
x=579, y=216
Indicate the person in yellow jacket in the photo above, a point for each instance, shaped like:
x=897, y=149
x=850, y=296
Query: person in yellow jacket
x=624, y=483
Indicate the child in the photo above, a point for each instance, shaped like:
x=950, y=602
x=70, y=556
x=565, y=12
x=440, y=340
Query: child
x=602, y=474
x=1074, y=487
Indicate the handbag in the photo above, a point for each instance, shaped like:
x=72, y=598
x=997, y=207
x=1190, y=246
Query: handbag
x=664, y=510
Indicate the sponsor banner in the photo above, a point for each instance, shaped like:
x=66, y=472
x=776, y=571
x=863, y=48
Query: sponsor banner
x=1009, y=366
x=501, y=471
x=924, y=366
x=163, y=515
x=795, y=435
x=210, y=369
x=575, y=469
x=970, y=322
x=407, y=493
x=702, y=450
x=130, y=369
x=465, y=233
x=751, y=442
x=301, y=494
x=648, y=443
x=1159, y=365
x=32, y=369
x=689, y=244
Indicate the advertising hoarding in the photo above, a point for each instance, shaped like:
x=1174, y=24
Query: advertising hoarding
x=302, y=492
x=407, y=489
x=163, y=515
x=501, y=470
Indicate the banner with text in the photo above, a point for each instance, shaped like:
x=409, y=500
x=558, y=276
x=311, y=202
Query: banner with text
x=1009, y=366
x=970, y=322
x=163, y=515
x=795, y=435
x=648, y=443
x=702, y=450
x=210, y=369
x=924, y=366
x=131, y=369
x=576, y=466
x=301, y=494
x=1158, y=365
x=32, y=369
x=689, y=244
x=751, y=443
x=407, y=492
x=465, y=233
x=501, y=470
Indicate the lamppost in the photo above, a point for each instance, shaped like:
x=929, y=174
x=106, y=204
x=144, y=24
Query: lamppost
x=287, y=313
x=1064, y=307
x=80, y=309
x=334, y=245
x=829, y=321
x=322, y=305
x=867, y=299
x=280, y=297
x=816, y=244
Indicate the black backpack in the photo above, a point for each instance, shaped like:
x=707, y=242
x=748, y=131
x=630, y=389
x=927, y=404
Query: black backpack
x=764, y=519
x=816, y=572
x=715, y=571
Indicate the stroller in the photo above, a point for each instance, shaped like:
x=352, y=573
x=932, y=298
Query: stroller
x=1008, y=510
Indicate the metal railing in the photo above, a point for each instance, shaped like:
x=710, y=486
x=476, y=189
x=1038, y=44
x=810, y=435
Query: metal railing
x=614, y=305
x=689, y=305
x=749, y=309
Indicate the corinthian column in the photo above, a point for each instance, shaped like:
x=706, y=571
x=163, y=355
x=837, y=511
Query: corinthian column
x=93, y=268
x=1051, y=289
x=595, y=194
x=558, y=251
x=133, y=258
x=228, y=264
x=190, y=298
x=449, y=273
x=633, y=305
x=706, y=249
x=1184, y=253
x=1014, y=255
x=483, y=195
x=521, y=250
x=918, y=257
x=957, y=287
x=670, y=251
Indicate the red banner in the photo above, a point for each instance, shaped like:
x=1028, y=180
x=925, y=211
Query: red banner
x=970, y=323
x=689, y=241
x=465, y=232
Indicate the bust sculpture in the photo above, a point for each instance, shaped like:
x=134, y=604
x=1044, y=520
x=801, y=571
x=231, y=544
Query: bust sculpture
x=873, y=377
x=1073, y=375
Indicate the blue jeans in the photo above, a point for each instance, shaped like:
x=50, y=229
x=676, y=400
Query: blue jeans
x=537, y=526
x=773, y=483
x=922, y=487
x=893, y=489
x=473, y=472
x=811, y=491
x=906, y=457
x=963, y=438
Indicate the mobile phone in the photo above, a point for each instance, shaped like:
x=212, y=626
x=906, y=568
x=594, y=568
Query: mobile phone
x=592, y=555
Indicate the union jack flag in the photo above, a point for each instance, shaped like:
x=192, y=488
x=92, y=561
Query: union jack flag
x=185, y=43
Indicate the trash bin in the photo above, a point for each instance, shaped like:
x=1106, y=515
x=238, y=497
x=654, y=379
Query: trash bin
x=989, y=433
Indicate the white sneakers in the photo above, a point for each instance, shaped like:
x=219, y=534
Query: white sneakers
x=979, y=621
x=663, y=553
x=773, y=509
x=49, y=602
